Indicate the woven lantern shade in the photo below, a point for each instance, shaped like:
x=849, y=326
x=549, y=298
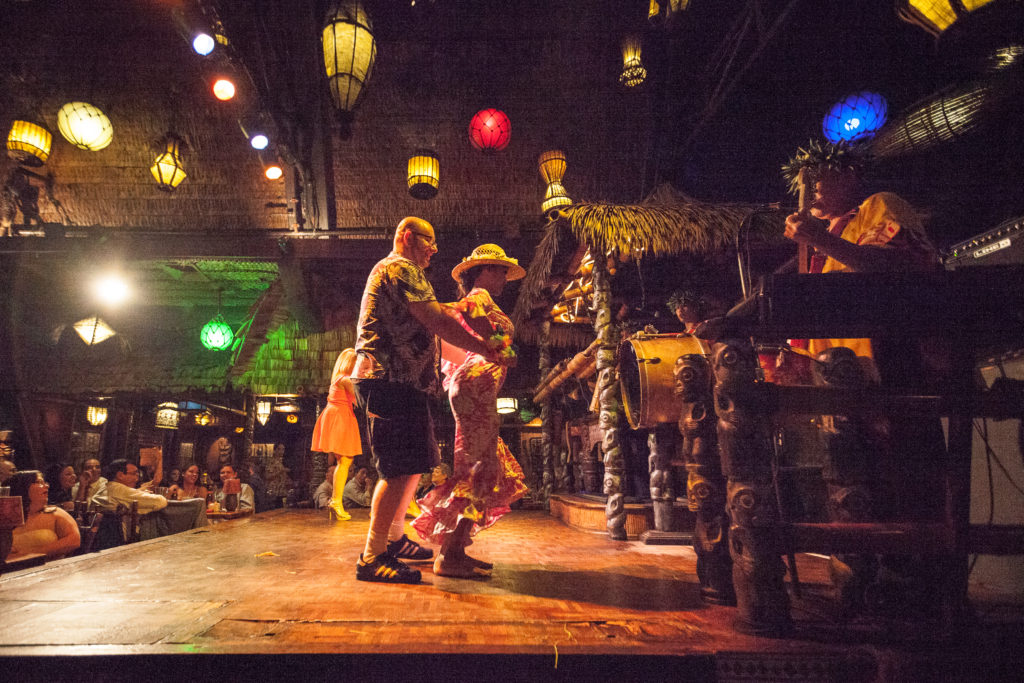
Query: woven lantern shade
x=28, y=143
x=93, y=330
x=633, y=71
x=349, y=50
x=552, y=169
x=85, y=126
x=424, y=175
x=855, y=117
x=167, y=418
x=490, y=130
x=507, y=405
x=263, y=410
x=935, y=16
x=96, y=415
x=167, y=169
x=216, y=335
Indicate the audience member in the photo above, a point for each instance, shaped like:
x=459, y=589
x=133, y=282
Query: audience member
x=97, y=484
x=324, y=492
x=7, y=468
x=246, y=499
x=173, y=477
x=190, y=486
x=48, y=529
x=61, y=479
x=258, y=487
x=358, y=490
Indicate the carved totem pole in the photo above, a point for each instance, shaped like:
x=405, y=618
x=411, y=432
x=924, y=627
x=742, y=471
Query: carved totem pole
x=705, y=485
x=744, y=440
x=611, y=416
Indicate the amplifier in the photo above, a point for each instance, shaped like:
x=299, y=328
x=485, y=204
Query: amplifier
x=1003, y=244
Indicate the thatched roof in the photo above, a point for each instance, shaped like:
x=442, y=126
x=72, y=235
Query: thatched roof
x=667, y=225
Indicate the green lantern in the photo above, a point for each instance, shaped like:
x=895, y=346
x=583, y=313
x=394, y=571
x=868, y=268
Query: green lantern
x=216, y=334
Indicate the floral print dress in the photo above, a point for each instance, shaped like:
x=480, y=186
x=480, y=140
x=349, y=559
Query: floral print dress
x=487, y=478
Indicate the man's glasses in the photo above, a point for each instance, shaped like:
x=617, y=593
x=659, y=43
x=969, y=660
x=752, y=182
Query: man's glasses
x=430, y=241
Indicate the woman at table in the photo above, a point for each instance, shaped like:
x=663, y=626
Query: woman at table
x=61, y=478
x=337, y=432
x=190, y=486
x=48, y=529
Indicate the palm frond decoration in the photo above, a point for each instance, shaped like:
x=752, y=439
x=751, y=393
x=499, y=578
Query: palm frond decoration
x=820, y=156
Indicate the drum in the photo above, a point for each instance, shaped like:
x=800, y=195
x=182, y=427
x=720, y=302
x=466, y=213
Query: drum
x=645, y=376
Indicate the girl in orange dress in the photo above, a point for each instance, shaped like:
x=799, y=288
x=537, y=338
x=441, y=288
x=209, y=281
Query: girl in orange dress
x=337, y=432
x=486, y=478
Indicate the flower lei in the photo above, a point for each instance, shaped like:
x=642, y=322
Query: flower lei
x=507, y=351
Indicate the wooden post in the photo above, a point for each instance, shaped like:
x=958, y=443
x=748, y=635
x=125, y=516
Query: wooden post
x=610, y=402
x=744, y=441
x=547, y=434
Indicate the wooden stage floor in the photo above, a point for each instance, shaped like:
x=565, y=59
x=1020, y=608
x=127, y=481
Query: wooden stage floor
x=276, y=594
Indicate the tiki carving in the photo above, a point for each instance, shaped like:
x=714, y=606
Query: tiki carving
x=611, y=417
x=660, y=445
x=744, y=441
x=847, y=471
x=547, y=422
x=705, y=485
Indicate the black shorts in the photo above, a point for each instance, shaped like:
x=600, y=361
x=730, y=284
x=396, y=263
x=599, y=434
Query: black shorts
x=400, y=427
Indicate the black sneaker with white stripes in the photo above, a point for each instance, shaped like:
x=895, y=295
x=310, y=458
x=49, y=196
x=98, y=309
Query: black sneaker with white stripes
x=407, y=549
x=386, y=569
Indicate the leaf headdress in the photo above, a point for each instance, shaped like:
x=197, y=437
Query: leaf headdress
x=820, y=156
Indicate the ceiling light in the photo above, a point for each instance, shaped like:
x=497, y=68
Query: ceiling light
x=85, y=126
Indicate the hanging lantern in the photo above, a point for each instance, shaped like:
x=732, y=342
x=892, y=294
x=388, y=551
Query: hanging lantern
x=507, y=404
x=216, y=335
x=490, y=130
x=85, y=126
x=292, y=419
x=935, y=16
x=204, y=419
x=167, y=416
x=93, y=330
x=424, y=175
x=96, y=415
x=855, y=117
x=167, y=168
x=633, y=71
x=552, y=169
x=263, y=410
x=349, y=52
x=28, y=143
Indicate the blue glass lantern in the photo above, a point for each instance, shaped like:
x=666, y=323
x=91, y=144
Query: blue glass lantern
x=216, y=335
x=855, y=117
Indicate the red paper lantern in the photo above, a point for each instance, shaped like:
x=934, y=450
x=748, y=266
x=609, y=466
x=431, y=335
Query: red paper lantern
x=490, y=130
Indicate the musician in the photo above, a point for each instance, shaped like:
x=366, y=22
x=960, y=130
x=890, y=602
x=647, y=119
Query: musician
x=883, y=468
x=847, y=233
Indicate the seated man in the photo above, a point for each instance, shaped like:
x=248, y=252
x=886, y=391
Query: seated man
x=357, y=491
x=7, y=469
x=247, y=497
x=97, y=484
x=323, y=493
x=158, y=516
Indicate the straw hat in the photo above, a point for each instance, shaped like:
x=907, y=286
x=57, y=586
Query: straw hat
x=490, y=255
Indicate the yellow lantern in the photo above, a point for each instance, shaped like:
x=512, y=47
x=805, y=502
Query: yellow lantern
x=292, y=419
x=349, y=52
x=93, y=330
x=96, y=415
x=633, y=71
x=167, y=168
x=424, y=175
x=935, y=16
x=167, y=415
x=506, y=405
x=85, y=126
x=28, y=143
x=263, y=409
x=552, y=169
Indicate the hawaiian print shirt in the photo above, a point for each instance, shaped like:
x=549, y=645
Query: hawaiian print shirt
x=391, y=344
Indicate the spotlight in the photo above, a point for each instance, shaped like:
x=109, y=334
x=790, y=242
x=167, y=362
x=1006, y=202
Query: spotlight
x=111, y=289
x=223, y=89
x=203, y=44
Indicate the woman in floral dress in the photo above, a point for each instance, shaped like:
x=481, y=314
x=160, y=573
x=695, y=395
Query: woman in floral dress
x=486, y=478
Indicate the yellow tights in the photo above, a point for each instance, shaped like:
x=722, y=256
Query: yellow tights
x=340, y=478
